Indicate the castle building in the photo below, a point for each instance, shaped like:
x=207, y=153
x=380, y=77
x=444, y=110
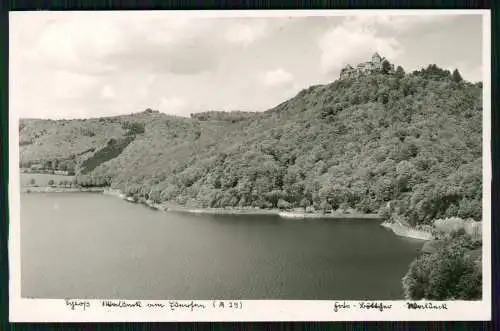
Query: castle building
x=364, y=68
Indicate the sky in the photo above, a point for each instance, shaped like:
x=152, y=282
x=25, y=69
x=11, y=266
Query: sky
x=90, y=64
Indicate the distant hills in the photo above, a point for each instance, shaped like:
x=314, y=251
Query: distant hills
x=414, y=139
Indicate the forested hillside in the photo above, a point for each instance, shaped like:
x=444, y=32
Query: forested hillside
x=414, y=139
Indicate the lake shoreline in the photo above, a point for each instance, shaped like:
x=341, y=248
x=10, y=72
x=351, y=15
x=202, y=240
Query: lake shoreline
x=405, y=231
x=396, y=227
x=168, y=207
x=48, y=189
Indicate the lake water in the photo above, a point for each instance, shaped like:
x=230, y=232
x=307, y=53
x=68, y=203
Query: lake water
x=84, y=245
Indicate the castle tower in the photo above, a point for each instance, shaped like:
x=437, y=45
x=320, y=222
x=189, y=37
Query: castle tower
x=376, y=58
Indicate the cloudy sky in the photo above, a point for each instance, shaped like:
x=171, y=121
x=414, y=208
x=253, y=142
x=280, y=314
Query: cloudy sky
x=86, y=64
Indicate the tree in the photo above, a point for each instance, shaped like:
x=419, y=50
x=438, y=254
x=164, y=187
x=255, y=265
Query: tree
x=304, y=203
x=416, y=280
x=386, y=67
x=51, y=182
x=70, y=168
x=400, y=72
x=283, y=204
x=456, y=77
x=447, y=274
x=325, y=206
x=133, y=128
x=433, y=72
x=384, y=212
x=446, y=278
x=274, y=197
x=470, y=285
x=155, y=194
x=32, y=182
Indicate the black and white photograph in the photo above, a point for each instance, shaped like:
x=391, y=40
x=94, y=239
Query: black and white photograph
x=334, y=156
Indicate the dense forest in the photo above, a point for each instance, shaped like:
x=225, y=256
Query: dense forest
x=452, y=272
x=413, y=139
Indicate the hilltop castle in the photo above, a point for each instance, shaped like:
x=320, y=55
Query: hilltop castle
x=364, y=68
